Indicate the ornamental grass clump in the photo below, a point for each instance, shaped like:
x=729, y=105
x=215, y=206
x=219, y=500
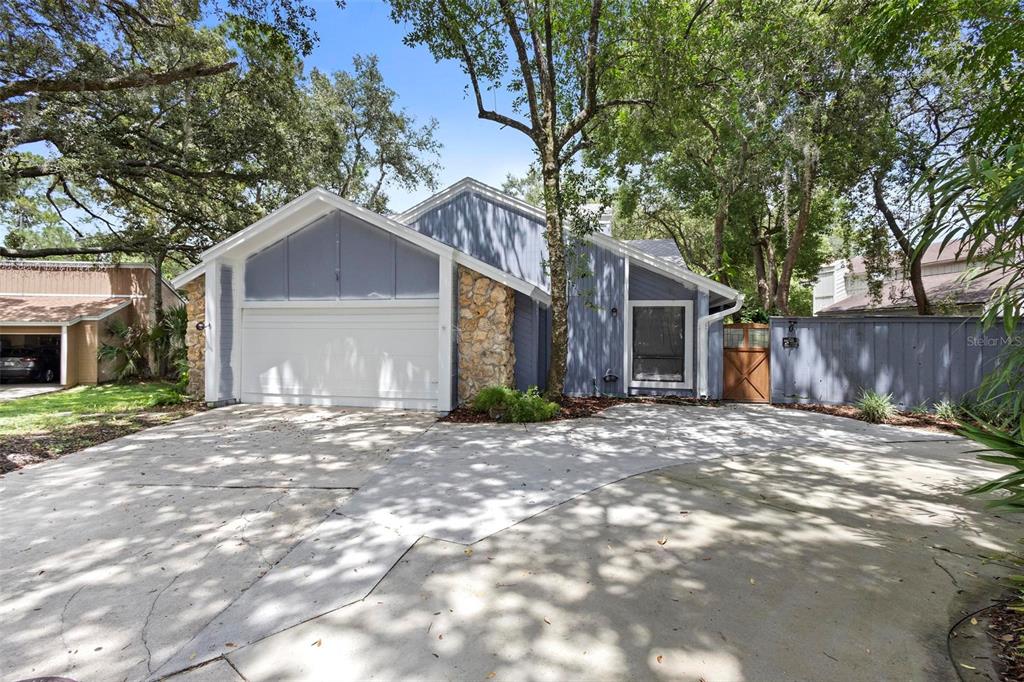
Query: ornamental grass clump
x=508, y=405
x=875, y=407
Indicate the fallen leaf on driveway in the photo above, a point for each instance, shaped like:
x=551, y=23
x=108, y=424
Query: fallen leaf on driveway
x=491, y=675
x=468, y=551
x=752, y=581
x=969, y=667
x=663, y=540
x=318, y=642
x=547, y=621
x=230, y=644
x=659, y=659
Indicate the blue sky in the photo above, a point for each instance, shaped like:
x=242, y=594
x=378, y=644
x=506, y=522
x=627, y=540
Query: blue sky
x=481, y=149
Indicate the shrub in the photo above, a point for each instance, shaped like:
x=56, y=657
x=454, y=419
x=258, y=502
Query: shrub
x=946, y=410
x=493, y=398
x=875, y=407
x=530, y=407
x=508, y=405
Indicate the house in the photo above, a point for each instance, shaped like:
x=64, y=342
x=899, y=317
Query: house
x=842, y=287
x=55, y=313
x=324, y=302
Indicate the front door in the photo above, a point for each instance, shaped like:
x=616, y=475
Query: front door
x=747, y=376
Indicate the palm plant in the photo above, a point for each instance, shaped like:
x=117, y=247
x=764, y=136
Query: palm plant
x=129, y=355
x=1010, y=449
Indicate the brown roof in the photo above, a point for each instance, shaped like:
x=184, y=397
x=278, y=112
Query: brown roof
x=955, y=250
x=57, y=309
x=946, y=287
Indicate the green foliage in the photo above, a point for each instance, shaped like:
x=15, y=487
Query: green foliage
x=493, y=397
x=875, y=407
x=213, y=127
x=1011, y=449
x=510, y=405
x=63, y=409
x=129, y=353
x=946, y=409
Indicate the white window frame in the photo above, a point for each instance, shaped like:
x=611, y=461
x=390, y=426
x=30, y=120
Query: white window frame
x=687, y=345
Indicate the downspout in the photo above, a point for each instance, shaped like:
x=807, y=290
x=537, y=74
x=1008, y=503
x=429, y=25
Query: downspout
x=703, y=326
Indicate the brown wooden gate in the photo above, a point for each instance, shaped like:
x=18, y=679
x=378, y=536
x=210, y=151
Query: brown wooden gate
x=747, y=374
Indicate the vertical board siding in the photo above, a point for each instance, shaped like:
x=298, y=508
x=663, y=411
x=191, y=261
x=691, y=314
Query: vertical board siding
x=338, y=256
x=226, y=333
x=526, y=336
x=716, y=359
x=498, y=235
x=645, y=285
x=920, y=361
x=595, y=334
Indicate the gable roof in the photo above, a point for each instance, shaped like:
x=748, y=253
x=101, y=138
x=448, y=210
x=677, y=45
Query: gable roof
x=318, y=202
x=662, y=248
x=676, y=271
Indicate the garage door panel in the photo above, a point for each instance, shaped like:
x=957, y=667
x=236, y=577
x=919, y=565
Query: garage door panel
x=362, y=357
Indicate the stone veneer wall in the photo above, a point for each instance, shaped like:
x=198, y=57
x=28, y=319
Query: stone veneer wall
x=195, y=339
x=486, y=353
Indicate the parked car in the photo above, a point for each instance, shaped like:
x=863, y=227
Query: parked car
x=29, y=364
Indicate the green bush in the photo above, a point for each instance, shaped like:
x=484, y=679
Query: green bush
x=508, y=405
x=493, y=398
x=875, y=407
x=947, y=410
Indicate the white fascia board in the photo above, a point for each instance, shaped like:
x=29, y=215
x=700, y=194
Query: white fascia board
x=662, y=266
x=183, y=278
x=313, y=204
x=468, y=185
x=503, y=277
x=599, y=239
x=318, y=202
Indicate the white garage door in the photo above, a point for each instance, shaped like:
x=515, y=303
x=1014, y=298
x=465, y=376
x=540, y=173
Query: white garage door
x=380, y=356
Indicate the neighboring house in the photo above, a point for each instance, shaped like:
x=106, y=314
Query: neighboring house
x=57, y=311
x=324, y=302
x=842, y=287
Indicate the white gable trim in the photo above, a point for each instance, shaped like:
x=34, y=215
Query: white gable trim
x=598, y=239
x=318, y=202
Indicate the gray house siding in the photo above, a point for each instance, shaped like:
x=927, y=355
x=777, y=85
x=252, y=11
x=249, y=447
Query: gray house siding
x=225, y=332
x=716, y=360
x=530, y=336
x=646, y=285
x=919, y=360
x=595, y=334
x=340, y=257
x=497, y=235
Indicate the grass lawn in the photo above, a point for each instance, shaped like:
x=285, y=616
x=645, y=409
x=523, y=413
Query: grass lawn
x=53, y=424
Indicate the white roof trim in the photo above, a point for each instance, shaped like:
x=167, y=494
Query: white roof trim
x=600, y=239
x=278, y=220
x=68, y=323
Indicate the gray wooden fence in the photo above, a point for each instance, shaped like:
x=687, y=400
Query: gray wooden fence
x=919, y=360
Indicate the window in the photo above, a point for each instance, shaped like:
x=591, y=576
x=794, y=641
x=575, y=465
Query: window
x=661, y=343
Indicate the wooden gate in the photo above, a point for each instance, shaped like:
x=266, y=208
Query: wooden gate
x=746, y=365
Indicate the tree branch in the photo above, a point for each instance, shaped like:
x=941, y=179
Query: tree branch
x=132, y=80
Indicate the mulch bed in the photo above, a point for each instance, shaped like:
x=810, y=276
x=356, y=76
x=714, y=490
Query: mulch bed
x=22, y=450
x=573, y=407
x=930, y=422
x=1006, y=628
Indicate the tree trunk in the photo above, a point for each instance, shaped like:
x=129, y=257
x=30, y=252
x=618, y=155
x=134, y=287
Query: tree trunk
x=807, y=177
x=721, y=217
x=764, y=293
x=559, y=283
x=160, y=349
x=912, y=255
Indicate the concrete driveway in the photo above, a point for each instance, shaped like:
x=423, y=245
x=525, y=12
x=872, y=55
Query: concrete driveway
x=14, y=391
x=650, y=542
